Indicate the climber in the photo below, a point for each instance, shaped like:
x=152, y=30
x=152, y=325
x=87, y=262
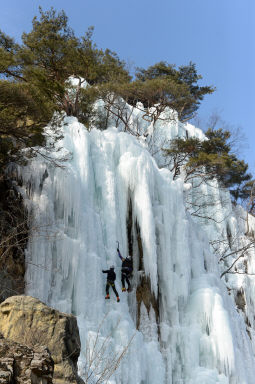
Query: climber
x=111, y=277
x=126, y=270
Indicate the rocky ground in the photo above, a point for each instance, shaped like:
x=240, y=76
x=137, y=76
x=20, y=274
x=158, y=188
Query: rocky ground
x=38, y=344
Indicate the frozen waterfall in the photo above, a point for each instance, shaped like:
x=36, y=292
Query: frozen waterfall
x=183, y=323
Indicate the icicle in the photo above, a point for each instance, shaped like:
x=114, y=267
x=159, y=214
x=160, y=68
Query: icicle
x=197, y=336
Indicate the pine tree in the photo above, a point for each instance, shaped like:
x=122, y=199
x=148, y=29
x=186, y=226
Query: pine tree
x=181, y=91
x=35, y=74
x=208, y=159
x=38, y=72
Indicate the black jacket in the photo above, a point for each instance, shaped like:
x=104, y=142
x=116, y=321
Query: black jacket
x=127, y=266
x=111, y=275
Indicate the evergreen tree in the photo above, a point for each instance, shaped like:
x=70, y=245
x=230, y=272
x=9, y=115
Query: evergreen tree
x=38, y=72
x=24, y=112
x=246, y=193
x=34, y=77
x=208, y=159
x=180, y=87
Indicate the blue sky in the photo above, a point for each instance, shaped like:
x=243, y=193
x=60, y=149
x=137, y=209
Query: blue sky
x=218, y=35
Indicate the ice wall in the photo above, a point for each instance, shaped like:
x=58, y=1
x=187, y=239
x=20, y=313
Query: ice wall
x=231, y=232
x=111, y=189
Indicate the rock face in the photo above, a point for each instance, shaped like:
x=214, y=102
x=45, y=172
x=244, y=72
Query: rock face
x=26, y=320
x=20, y=364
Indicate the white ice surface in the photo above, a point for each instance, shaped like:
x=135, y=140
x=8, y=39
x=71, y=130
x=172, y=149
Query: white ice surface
x=81, y=211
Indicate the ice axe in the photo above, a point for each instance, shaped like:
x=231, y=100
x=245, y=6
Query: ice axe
x=118, y=245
